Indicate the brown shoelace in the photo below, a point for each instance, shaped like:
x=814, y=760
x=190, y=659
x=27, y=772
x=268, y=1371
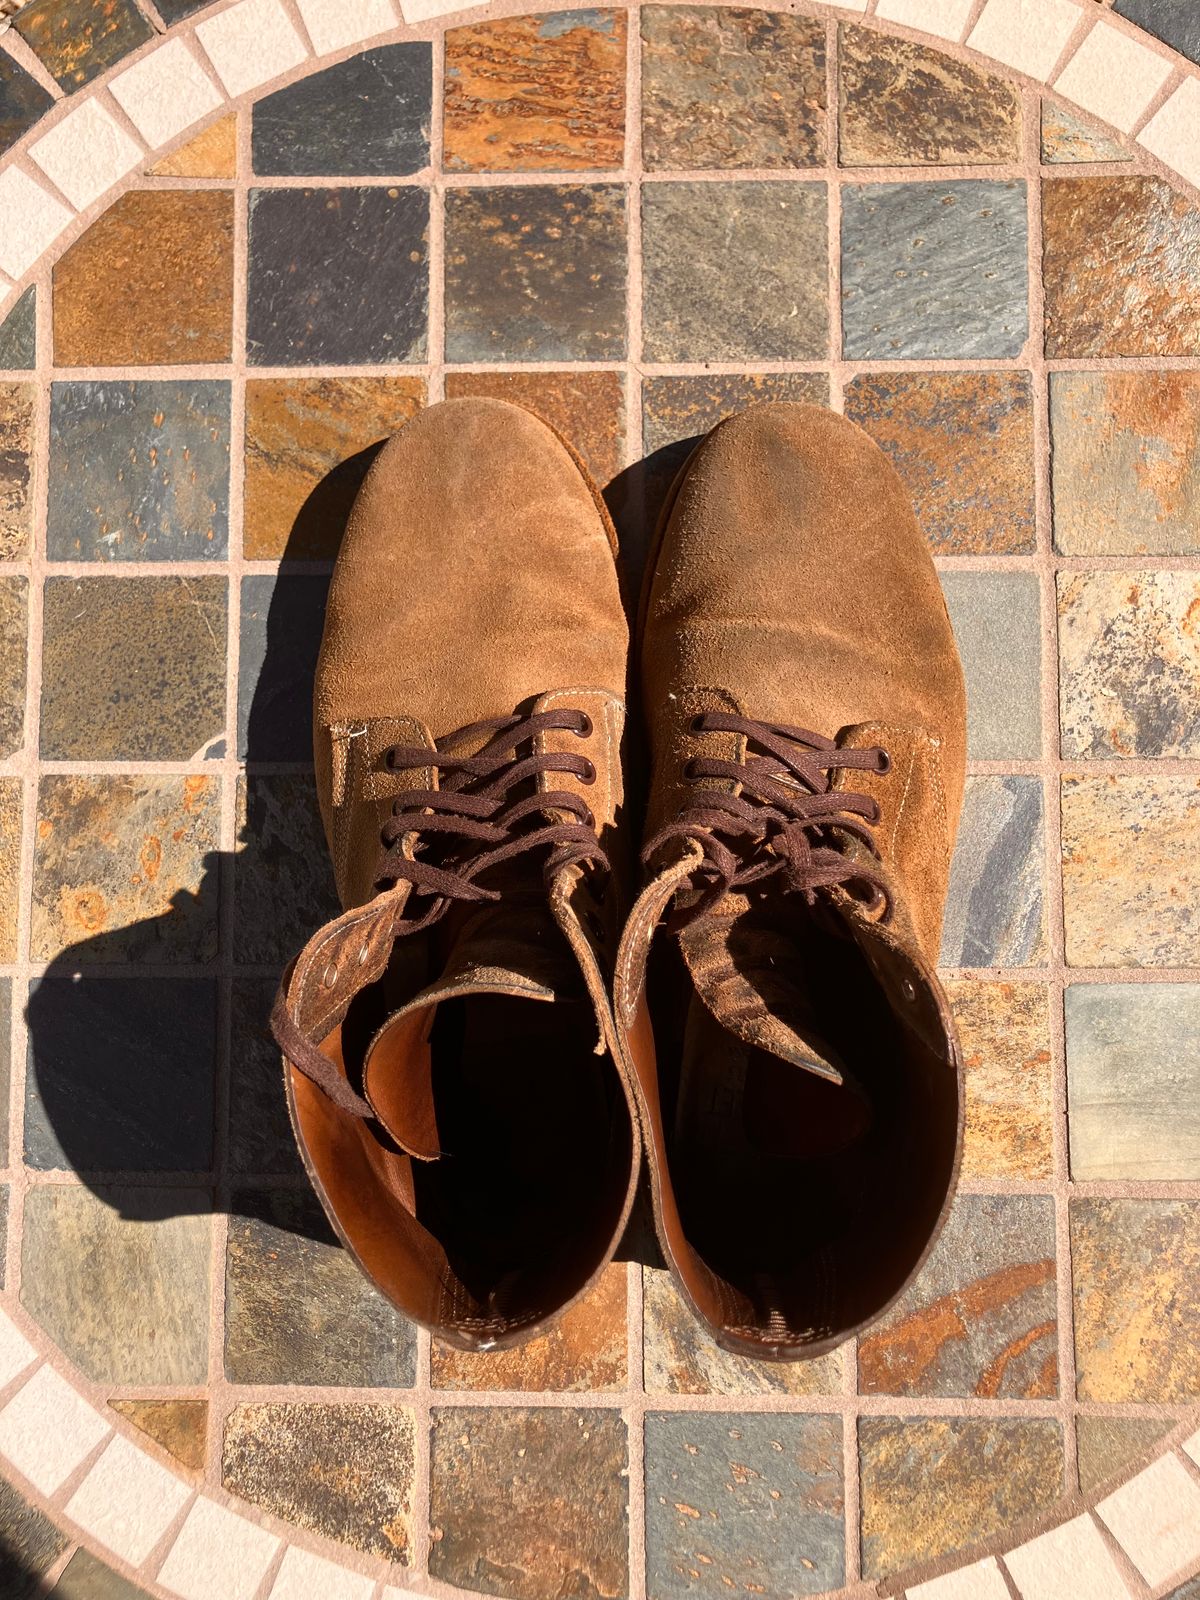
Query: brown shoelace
x=486, y=810
x=782, y=819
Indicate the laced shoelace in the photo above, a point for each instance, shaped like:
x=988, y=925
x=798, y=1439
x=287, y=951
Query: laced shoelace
x=783, y=820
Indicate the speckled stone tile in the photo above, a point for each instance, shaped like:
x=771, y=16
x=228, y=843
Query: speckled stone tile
x=298, y=1310
x=1136, y=1266
x=541, y=93
x=17, y=402
x=535, y=274
x=1004, y=1030
x=283, y=879
x=11, y=802
x=726, y=87
x=1120, y=267
x=680, y=1358
x=994, y=911
x=22, y=102
x=128, y=1301
x=211, y=154
x=1108, y=1446
x=1068, y=137
x=962, y=443
x=1133, y=1096
x=703, y=242
x=1131, y=870
x=1129, y=663
x=904, y=105
x=934, y=270
x=18, y=334
x=120, y=300
x=1175, y=22
x=980, y=1321
x=932, y=1486
x=79, y=39
x=337, y=276
x=745, y=1503
x=132, y=670
x=139, y=471
x=344, y=1472
x=99, y=1094
x=30, y=1545
x=552, y=1522
x=309, y=442
x=997, y=623
x=367, y=117
x=585, y=1350
x=85, y=1577
x=588, y=408
x=14, y=613
x=1126, y=462
x=282, y=618
x=260, y=1138
x=180, y=1427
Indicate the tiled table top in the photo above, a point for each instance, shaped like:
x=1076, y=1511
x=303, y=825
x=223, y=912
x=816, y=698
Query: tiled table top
x=636, y=222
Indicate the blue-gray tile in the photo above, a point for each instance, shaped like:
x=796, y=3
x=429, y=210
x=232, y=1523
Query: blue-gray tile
x=994, y=912
x=998, y=628
x=18, y=334
x=338, y=276
x=1175, y=22
x=22, y=102
x=139, y=471
x=282, y=618
x=743, y=1503
x=934, y=270
x=283, y=879
x=367, y=117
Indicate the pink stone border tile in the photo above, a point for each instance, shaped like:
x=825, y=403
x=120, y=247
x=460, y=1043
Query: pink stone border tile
x=1155, y=1518
x=1114, y=77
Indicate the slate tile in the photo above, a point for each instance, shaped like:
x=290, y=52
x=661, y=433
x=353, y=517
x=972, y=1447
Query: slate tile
x=128, y=1297
x=678, y=411
x=980, y=1320
x=1120, y=267
x=17, y=401
x=132, y=669
x=962, y=443
x=79, y=39
x=120, y=300
x=1129, y=663
x=1004, y=1030
x=260, y=1138
x=180, y=1427
x=30, y=1545
x=309, y=443
x=11, y=802
x=725, y=87
x=282, y=619
x=85, y=1577
x=902, y=104
x=536, y=94
x=175, y=10
x=934, y=270
x=588, y=408
x=283, y=880
x=994, y=911
x=120, y=1075
x=552, y=1522
x=679, y=1357
x=337, y=276
x=1175, y=22
x=4, y=1213
x=211, y=154
x=1108, y=1446
x=344, y=1472
x=1069, y=137
x=535, y=274
x=367, y=117
x=747, y=1503
x=5, y=1073
x=932, y=1486
x=23, y=102
x=998, y=625
x=1131, y=870
x=14, y=616
x=1133, y=1098
x=18, y=334
x=1136, y=1265
x=703, y=242
x=139, y=471
x=297, y=1308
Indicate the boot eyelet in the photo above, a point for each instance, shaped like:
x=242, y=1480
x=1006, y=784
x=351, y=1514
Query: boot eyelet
x=589, y=777
x=884, y=763
x=908, y=989
x=330, y=976
x=363, y=954
x=698, y=722
x=688, y=771
x=586, y=727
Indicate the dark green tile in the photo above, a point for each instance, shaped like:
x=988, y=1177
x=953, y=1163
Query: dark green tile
x=283, y=879
x=18, y=334
x=30, y=1544
x=175, y=10
x=22, y=102
x=79, y=39
x=87, y=1578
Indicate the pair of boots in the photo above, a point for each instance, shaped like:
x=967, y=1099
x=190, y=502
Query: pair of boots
x=479, y=1047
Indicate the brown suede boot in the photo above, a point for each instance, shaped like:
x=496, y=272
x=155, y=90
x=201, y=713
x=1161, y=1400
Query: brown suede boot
x=776, y=999
x=448, y=1039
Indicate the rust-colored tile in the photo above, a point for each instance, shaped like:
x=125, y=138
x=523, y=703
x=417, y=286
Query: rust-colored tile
x=16, y=468
x=536, y=94
x=211, y=154
x=14, y=651
x=934, y=1486
x=904, y=105
x=1004, y=1030
x=1121, y=267
x=963, y=444
x=588, y=408
x=1136, y=1265
x=179, y=1426
x=586, y=1349
x=79, y=39
x=1107, y=1447
x=1068, y=137
x=308, y=447
x=10, y=865
x=150, y=283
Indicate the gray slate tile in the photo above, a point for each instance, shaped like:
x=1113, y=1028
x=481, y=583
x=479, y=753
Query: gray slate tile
x=282, y=619
x=18, y=334
x=998, y=628
x=994, y=912
x=1175, y=22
